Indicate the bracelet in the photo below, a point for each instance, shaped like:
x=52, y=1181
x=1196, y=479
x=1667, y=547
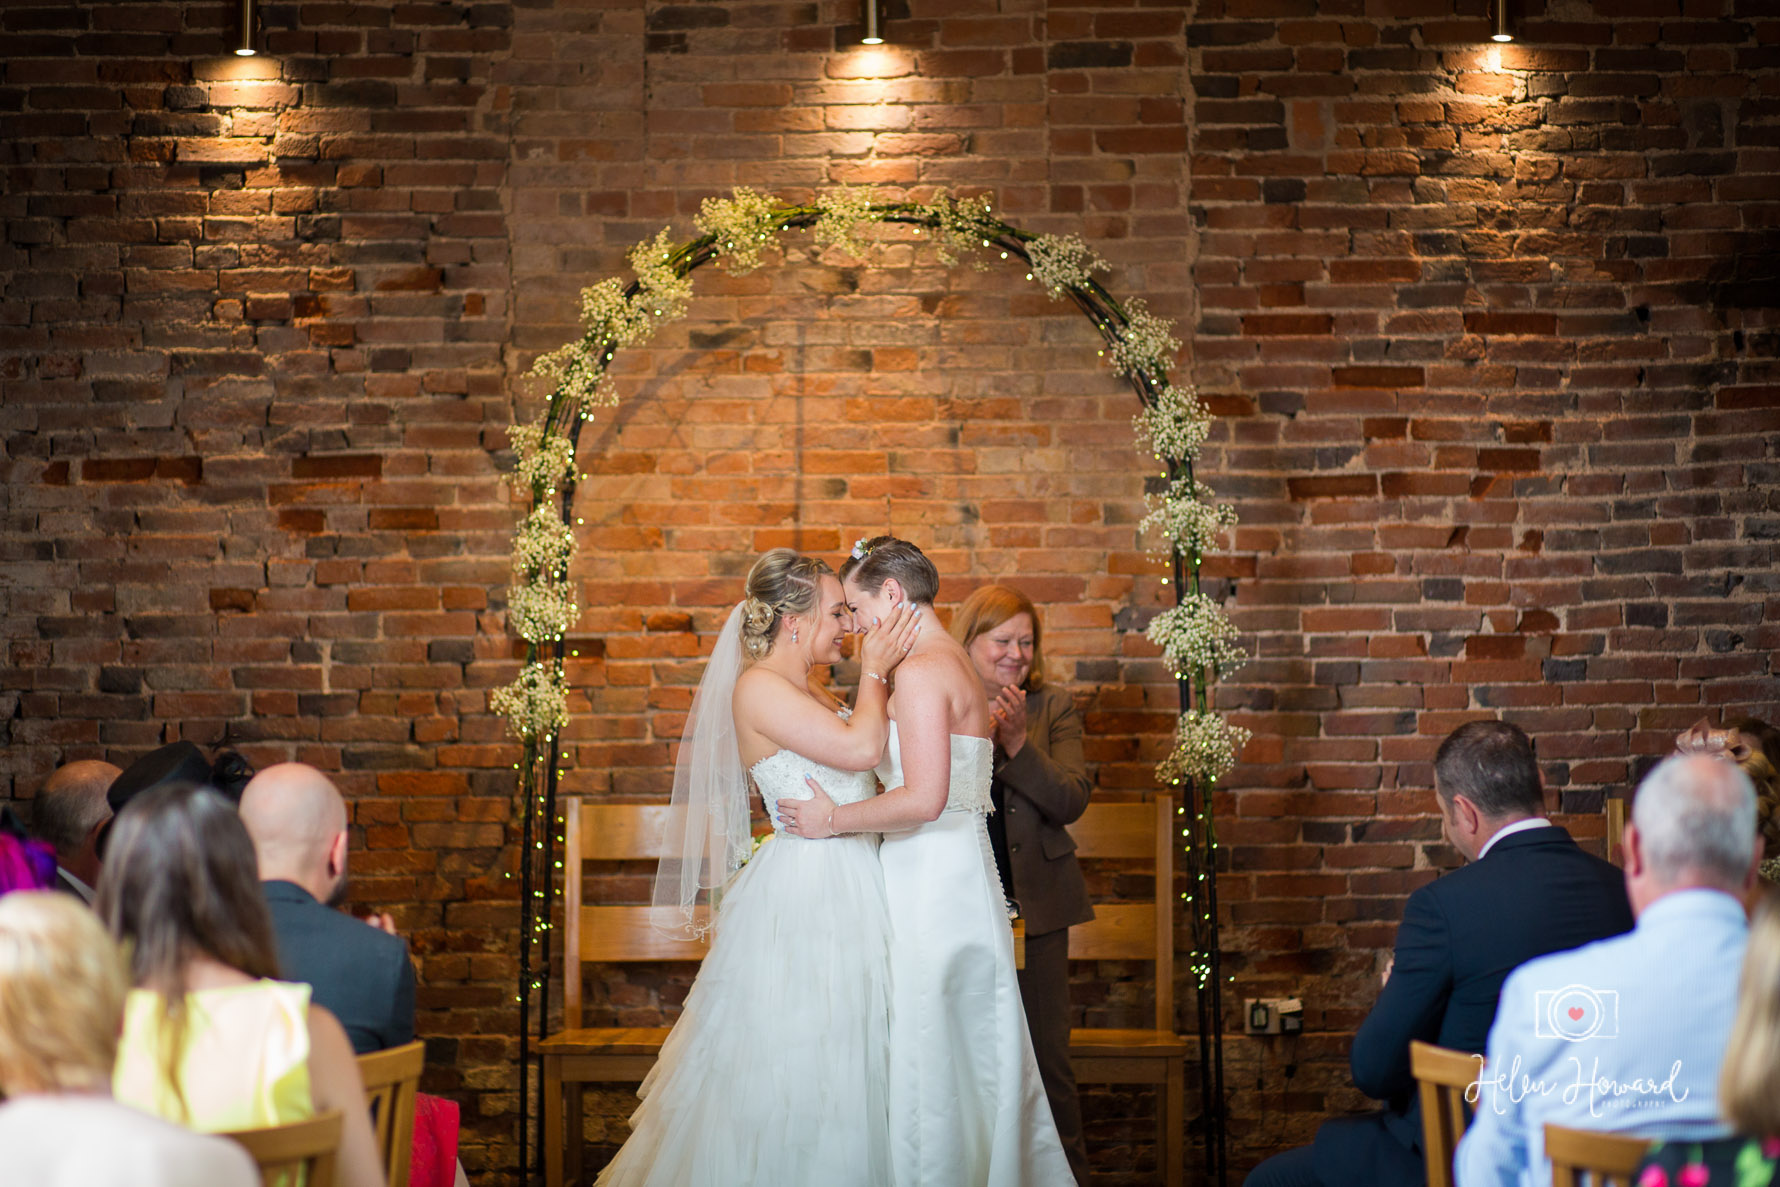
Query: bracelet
x=878, y=678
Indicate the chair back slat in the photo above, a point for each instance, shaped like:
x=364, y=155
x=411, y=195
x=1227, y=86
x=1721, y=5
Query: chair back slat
x=1585, y=1158
x=303, y=1151
x=1132, y=930
x=1442, y=1076
x=600, y=934
x=392, y=1079
x=1116, y=830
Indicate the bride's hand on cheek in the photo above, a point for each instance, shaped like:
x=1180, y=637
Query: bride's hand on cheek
x=885, y=644
x=813, y=818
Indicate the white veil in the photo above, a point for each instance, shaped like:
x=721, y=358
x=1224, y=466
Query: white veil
x=708, y=836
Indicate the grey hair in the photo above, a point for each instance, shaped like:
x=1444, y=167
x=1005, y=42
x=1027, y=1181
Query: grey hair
x=1696, y=816
x=71, y=804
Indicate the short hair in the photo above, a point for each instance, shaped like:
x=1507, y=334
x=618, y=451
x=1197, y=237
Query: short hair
x=71, y=804
x=1696, y=816
x=62, y=988
x=781, y=582
x=989, y=607
x=1746, y=1093
x=883, y=558
x=1491, y=764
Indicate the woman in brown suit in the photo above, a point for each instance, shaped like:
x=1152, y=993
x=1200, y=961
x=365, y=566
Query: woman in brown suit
x=1041, y=784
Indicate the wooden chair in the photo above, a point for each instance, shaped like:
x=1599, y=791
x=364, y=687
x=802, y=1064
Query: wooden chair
x=301, y=1152
x=1581, y=1156
x=392, y=1078
x=1442, y=1076
x=597, y=934
x=1136, y=931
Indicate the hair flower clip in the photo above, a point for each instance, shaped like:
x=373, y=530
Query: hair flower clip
x=860, y=551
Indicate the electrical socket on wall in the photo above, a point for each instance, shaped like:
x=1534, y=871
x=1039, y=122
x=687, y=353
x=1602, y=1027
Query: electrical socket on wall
x=1273, y=1015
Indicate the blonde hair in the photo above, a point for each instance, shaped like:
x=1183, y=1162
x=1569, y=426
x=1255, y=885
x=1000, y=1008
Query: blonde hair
x=781, y=582
x=1749, y=1080
x=62, y=987
x=988, y=608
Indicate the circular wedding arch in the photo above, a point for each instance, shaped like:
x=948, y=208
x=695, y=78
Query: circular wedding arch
x=1195, y=636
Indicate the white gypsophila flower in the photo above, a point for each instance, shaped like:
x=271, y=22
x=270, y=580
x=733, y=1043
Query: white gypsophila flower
x=1195, y=636
x=536, y=704
x=1185, y=517
x=844, y=213
x=963, y=227
x=578, y=372
x=744, y=225
x=606, y=313
x=1205, y=749
x=1145, y=346
x=542, y=611
x=542, y=463
x=1061, y=262
x=543, y=544
x=1175, y=426
x=664, y=293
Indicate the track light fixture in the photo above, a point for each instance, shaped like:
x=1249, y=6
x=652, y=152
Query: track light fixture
x=245, y=49
x=874, y=28
x=1502, y=33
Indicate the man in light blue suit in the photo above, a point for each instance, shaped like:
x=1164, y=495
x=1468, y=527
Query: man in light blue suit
x=1626, y=1035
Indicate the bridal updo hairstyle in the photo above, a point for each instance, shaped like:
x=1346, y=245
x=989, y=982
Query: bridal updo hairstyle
x=885, y=558
x=781, y=582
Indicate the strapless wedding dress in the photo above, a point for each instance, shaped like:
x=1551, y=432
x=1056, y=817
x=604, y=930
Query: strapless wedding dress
x=776, y=1074
x=967, y=1107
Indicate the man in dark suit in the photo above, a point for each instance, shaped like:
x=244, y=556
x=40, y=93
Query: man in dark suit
x=359, y=971
x=67, y=815
x=1527, y=891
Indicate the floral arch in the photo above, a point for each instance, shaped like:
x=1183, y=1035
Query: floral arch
x=1183, y=521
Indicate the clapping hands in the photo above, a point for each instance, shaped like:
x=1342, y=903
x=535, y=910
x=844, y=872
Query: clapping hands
x=1008, y=711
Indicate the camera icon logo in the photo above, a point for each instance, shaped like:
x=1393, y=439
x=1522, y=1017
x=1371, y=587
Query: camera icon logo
x=1575, y=1013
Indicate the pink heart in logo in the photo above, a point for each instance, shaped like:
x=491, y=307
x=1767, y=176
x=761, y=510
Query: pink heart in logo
x=1575, y=1013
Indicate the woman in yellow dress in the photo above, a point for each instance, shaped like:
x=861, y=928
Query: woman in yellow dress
x=212, y=1040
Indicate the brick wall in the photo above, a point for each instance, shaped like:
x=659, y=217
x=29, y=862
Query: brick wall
x=1491, y=332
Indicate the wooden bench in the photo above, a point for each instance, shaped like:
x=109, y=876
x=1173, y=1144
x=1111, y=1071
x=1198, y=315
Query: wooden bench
x=1142, y=930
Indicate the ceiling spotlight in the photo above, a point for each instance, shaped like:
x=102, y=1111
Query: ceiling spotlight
x=874, y=29
x=245, y=49
x=1502, y=33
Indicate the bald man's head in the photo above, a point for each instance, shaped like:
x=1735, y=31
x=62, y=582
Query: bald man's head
x=68, y=811
x=298, y=824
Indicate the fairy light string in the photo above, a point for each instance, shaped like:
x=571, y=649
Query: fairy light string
x=1183, y=521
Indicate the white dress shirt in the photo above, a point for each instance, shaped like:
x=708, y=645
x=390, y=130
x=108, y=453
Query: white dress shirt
x=1623, y=1036
x=1508, y=830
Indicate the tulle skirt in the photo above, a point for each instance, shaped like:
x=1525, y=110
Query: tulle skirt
x=777, y=1073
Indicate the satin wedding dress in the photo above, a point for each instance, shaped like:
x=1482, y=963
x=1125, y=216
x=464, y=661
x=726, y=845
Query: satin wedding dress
x=967, y=1107
x=776, y=1073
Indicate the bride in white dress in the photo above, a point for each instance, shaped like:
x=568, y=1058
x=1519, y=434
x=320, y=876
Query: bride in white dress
x=776, y=1074
x=967, y=1107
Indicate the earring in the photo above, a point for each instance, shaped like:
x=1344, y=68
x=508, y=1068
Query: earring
x=794, y=632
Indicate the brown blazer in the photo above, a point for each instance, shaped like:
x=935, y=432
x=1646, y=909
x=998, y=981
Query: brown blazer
x=1046, y=786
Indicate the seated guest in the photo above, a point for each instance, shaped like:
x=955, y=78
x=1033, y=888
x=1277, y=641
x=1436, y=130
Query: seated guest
x=1748, y=1085
x=24, y=864
x=61, y=998
x=210, y=1040
x=1753, y=745
x=1040, y=784
x=177, y=764
x=361, y=974
x=67, y=815
x=1528, y=890
x=1627, y=1035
